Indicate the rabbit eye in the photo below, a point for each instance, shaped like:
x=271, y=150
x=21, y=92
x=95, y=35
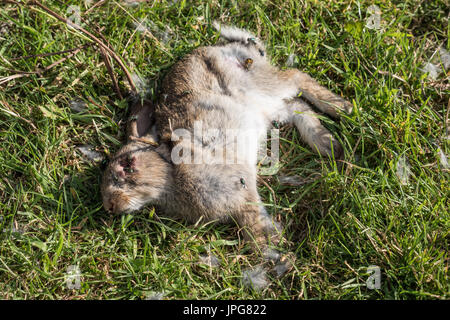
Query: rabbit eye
x=116, y=181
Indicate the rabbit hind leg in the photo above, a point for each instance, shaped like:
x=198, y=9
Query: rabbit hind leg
x=311, y=129
x=325, y=100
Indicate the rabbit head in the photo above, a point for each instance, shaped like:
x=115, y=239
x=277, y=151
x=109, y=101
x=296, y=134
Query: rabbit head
x=139, y=173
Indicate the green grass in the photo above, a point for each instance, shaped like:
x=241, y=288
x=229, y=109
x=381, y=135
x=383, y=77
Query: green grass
x=350, y=215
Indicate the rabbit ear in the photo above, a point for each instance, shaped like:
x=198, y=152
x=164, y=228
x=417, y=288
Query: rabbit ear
x=141, y=123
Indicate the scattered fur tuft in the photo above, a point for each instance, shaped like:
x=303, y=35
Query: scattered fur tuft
x=232, y=34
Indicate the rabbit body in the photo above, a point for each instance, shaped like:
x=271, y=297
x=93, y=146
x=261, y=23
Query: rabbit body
x=191, y=172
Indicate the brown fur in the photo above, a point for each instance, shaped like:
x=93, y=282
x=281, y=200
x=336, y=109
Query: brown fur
x=226, y=87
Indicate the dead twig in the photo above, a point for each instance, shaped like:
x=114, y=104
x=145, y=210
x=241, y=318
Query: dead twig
x=9, y=78
x=10, y=1
x=62, y=59
x=98, y=4
x=10, y=111
x=40, y=55
x=97, y=105
x=20, y=74
x=270, y=189
x=111, y=72
x=92, y=37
